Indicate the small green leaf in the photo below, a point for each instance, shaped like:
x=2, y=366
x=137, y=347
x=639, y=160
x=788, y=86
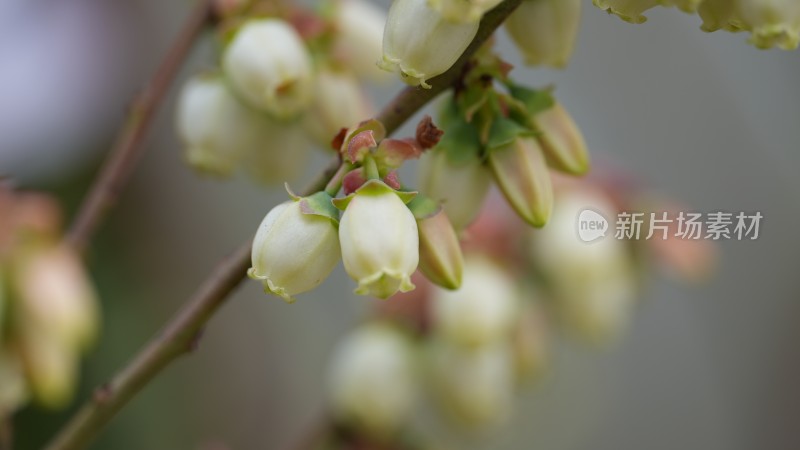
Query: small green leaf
x=460, y=143
x=504, y=131
x=423, y=207
x=534, y=100
x=320, y=204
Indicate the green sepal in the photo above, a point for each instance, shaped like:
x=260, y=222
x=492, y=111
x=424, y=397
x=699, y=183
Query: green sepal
x=373, y=187
x=320, y=204
x=534, y=101
x=423, y=207
x=460, y=143
x=291, y=193
x=505, y=131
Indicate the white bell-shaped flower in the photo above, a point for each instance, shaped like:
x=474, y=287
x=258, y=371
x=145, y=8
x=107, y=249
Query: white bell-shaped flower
x=420, y=44
x=293, y=252
x=379, y=239
x=270, y=68
x=482, y=310
x=372, y=380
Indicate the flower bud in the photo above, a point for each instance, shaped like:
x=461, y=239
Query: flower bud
x=379, y=239
x=293, y=251
x=339, y=102
x=720, y=15
x=627, y=10
x=520, y=170
x=773, y=23
x=359, y=39
x=372, y=380
x=440, y=257
x=269, y=67
x=460, y=186
x=420, y=44
x=475, y=387
x=463, y=11
x=545, y=30
x=561, y=140
x=56, y=298
x=482, y=311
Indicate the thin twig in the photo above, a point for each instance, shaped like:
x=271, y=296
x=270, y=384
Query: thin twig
x=128, y=148
x=181, y=334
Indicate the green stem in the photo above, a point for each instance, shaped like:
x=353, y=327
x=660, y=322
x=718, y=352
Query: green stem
x=335, y=184
x=371, y=168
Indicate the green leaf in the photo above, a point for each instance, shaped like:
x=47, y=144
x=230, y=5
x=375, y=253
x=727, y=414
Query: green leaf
x=535, y=101
x=423, y=207
x=320, y=204
x=460, y=142
x=504, y=131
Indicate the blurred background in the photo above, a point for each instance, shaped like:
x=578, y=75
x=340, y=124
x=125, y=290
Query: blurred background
x=699, y=117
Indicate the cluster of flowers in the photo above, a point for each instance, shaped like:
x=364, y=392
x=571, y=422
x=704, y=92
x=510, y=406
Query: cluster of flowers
x=48, y=307
x=288, y=77
x=384, y=232
x=771, y=23
x=514, y=136
x=424, y=38
x=470, y=349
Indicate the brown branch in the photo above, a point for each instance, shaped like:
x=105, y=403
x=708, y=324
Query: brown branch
x=128, y=148
x=181, y=334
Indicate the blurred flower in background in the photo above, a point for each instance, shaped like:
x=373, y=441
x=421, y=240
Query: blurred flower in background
x=49, y=308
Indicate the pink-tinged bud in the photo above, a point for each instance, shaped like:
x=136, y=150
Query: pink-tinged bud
x=50, y=365
x=463, y=11
x=420, y=44
x=773, y=23
x=520, y=170
x=269, y=67
x=461, y=186
x=359, y=25
x=293, y=252
x=545, y=30
x=57, y=298
x=13, y=391
x=440, y=257
x=689, y=260
x=720, y=15
x=627, y=10
x=474, y=386
x=372, y=384
x=481, y=311
x=339, y=102
x=561, y=140
x=379, y=240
